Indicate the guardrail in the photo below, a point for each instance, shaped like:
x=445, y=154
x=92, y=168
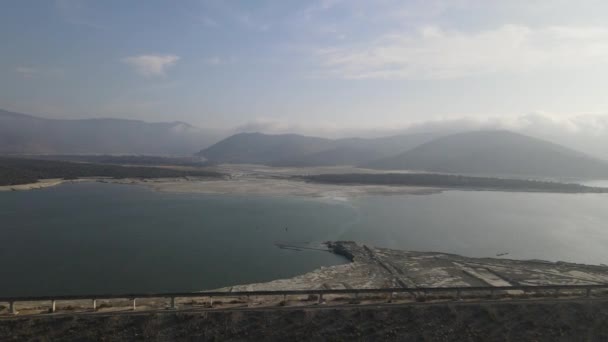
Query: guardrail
x=457, y=291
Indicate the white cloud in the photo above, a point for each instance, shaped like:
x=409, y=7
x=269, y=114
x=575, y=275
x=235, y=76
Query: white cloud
x=284, y=126
x=26, y=72
x=435, y=53
x=151, y=65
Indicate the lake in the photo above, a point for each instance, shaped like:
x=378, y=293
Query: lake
x=109, y=238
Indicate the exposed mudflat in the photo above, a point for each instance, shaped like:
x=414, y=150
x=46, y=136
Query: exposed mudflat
x=374, y=267
x=278, y=181
x=566, y=317
x=283, y=187
x=251, y=180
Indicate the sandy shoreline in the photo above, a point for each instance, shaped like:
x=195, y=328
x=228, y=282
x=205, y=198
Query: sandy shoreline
x=251, y=180
x=250, y=186
x=242, y=186
x=263, y=181
x=279, y=187
x=44, y=183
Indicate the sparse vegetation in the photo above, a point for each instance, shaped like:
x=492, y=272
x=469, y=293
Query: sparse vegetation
x=452, y=181
x=15, y=171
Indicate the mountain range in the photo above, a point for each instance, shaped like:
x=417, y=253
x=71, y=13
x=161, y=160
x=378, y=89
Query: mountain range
x=22, y=133
x=476, y=152
x=495, y=153
x=479, y=152
x=298, y=150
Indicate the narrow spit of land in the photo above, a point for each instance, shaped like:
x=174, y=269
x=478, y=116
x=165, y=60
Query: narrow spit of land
x=18, y=171
x=452, y=182
x=375, y=267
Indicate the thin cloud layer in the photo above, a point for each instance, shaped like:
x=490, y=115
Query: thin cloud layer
x=435, y=53
x=586, y=132
x=26, y=72
x=151, y=65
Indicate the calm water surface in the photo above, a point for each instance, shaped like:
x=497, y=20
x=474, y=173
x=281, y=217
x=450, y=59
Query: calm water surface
x=104, y=238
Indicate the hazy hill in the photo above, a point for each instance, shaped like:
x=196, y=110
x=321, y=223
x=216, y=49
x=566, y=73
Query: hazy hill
x=258, y=148
x=495, y=153
x=298, y=150
x=20, y=133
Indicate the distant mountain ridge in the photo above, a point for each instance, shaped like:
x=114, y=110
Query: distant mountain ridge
x=299, y=150
x=495, y=153
x=23, y=133
x=491, y=153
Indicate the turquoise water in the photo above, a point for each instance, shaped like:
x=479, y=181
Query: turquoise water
x=104, y=238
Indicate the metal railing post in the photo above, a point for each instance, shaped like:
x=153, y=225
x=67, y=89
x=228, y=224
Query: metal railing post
x=387, y=294
x=12, y=308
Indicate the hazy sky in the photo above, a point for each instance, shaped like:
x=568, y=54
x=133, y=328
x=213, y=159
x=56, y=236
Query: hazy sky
x=326, y=65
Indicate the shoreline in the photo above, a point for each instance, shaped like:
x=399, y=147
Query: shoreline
x=41, y=184
x=266, y=186
x=240, y=186
x=258, y=180
x=377, y=267
x=370, y=267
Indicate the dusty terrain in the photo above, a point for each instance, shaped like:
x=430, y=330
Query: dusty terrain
x=374, y=267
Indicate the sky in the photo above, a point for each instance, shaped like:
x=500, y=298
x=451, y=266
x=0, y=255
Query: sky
x=324, y=67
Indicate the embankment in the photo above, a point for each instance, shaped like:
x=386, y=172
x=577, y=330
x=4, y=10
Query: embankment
x=548, y=321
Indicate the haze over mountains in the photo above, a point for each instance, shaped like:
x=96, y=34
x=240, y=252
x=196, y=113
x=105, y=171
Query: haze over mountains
x=298, y=150
x=495, y=153
x=478, y=152
x=481, y=152
x=21, y=133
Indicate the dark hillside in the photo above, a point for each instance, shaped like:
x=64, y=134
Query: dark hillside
x=495, y=153
x=21, y=133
